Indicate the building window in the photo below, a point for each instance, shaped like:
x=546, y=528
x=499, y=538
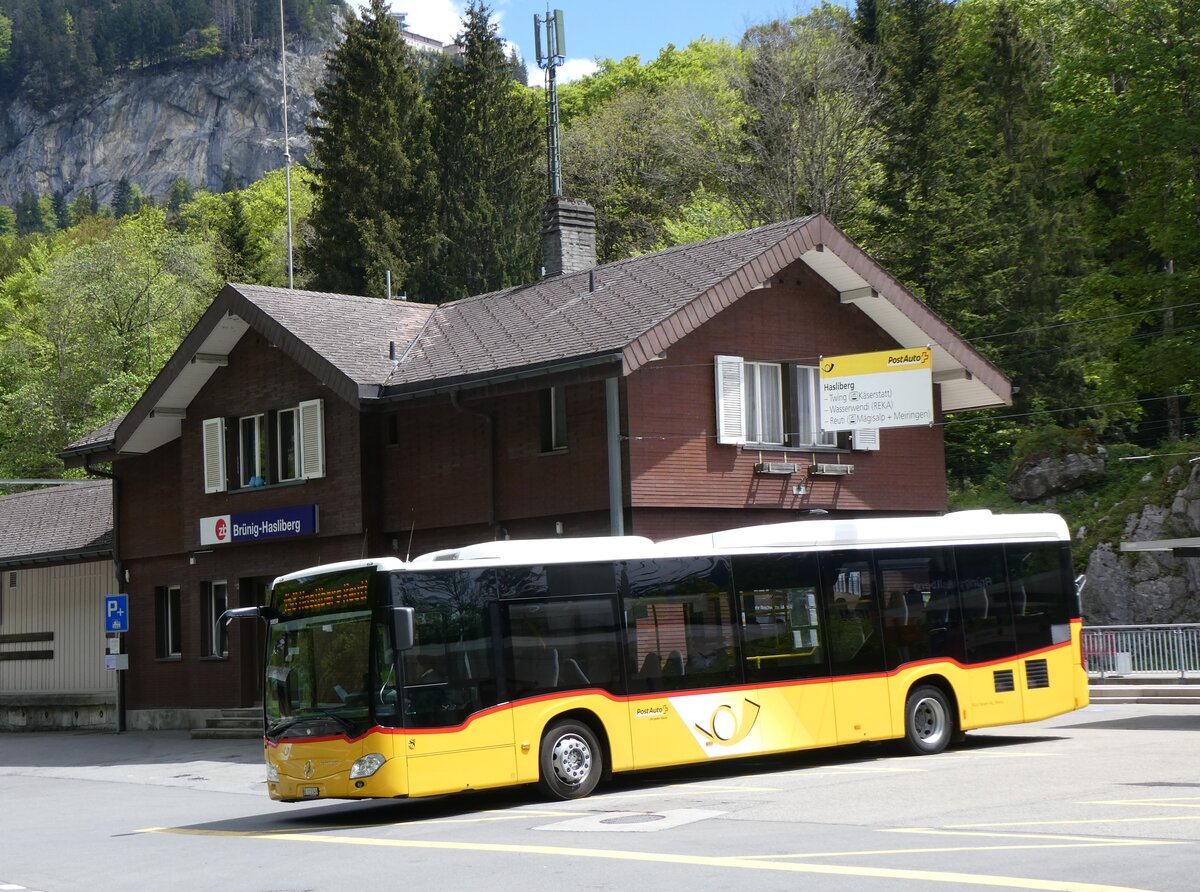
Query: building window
x=252, y=450
x=287, y=425
x=169, y=619
x=769, y=404
x=214, y=602
x=554, y=419
x=298, y=451
x=763, y=402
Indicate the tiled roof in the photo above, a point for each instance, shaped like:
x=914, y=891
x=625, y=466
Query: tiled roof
x=100, y=437
x=56, y=524
x=561, y=318
x=352, y=333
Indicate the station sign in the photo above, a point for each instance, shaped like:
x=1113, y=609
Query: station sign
x=255, y=526
x=888, y=388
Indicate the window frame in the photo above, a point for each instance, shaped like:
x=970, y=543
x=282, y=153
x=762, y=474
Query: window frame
x=554, y=419
x=218, y=649
x=281, y=474
x=260, y=453
x=168, y=610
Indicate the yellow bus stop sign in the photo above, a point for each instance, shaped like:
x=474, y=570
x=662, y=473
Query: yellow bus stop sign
x=888, y=388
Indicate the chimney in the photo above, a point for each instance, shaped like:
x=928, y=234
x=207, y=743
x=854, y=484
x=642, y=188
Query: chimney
x=568, y=236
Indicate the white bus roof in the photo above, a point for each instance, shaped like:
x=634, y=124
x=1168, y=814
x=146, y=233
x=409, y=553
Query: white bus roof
x=962, y=527
x=543, y=551
x=376, y=563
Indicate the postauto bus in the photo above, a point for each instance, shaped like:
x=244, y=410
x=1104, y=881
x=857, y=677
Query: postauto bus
x=562, y=662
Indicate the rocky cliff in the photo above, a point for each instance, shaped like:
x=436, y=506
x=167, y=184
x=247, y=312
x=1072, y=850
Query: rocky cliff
x=1149, y=587
x=187, y=120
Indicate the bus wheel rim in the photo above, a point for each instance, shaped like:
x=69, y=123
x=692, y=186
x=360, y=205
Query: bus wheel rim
x=572, y=759
x=929, y=718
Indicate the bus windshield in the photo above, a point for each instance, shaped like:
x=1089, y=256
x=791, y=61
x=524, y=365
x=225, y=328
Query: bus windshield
x=318, y=676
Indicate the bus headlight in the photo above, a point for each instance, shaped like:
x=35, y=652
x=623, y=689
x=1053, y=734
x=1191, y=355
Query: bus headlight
x=272, y=772
x=367, y=765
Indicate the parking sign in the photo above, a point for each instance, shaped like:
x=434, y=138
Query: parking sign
x=116, y=613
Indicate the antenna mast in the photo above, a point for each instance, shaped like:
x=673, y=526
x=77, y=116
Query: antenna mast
x=555, y=55
x=287, y=146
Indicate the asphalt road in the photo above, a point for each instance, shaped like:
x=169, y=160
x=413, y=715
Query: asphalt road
x=1104, y=799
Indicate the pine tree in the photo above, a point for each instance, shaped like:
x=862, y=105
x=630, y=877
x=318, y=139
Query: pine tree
x=377, y=184
x=917, y=47
x=242, y=255
x=122, y=200
x=486, y=132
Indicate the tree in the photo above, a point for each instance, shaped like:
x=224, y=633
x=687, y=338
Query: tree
x=179, y=194
x=486, y=134
x=644, y=142
x=808, y=142
x=1127, y=95
x=242, y=256
x=376, y=189
x=92, y=322
x=122, y=200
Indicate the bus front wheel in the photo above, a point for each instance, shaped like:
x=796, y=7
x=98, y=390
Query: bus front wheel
x=571, y=761
x=928, y=722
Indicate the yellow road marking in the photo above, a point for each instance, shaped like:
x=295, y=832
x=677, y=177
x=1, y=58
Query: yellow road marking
x=949, y=831
x=696, y=790
x=740, y=863
x=1169, y=802
x=501, y=816
x=1074, y=822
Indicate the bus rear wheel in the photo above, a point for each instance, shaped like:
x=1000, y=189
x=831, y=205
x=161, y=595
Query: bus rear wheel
x=571, y=761
x=928, y=722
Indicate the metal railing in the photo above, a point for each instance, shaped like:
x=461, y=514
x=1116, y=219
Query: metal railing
x=1151, y=650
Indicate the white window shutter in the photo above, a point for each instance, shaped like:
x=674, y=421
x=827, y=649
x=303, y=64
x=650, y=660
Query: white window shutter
x=312, y=439
x=214, y=454
x=731, y=413
x=865, y=440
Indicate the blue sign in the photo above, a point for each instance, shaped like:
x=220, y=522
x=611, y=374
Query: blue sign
x=116, y=613
x=252, y=526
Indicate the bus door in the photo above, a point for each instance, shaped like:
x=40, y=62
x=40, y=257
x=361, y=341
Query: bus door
x=456, y=733
x=688, y=698
x=784, y=649
x=862, y=700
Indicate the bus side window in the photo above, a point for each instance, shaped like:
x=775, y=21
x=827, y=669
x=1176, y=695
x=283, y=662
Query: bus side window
x=855, y=633
x=781, y=629
x=679, y=625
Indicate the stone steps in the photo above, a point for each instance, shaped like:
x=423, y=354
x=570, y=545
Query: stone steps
x=232, y=724
x=1127, y=692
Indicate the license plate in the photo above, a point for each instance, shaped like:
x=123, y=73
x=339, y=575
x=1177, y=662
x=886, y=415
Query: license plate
x=311, y=792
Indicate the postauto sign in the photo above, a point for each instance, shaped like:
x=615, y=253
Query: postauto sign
x=255, y=526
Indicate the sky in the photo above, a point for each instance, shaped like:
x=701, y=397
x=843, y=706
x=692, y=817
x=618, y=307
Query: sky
x=603, y=28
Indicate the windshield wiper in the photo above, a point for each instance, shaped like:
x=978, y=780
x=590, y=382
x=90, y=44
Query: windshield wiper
x=312, y=715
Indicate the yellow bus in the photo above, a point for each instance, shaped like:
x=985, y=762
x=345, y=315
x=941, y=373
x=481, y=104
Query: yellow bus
x=562, y=662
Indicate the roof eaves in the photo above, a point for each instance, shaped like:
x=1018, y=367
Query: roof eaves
x=435, y=386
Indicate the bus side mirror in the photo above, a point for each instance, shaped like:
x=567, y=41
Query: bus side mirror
x=403, y=627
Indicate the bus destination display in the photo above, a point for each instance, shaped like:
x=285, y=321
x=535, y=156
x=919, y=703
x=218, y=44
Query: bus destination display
x=328, y=595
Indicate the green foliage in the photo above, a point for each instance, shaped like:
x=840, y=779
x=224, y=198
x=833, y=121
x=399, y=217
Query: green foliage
x=486, y=135
x=8, y=220
x=55, y=47
x=643, y=139
x=375, y=197
x=88, y=318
